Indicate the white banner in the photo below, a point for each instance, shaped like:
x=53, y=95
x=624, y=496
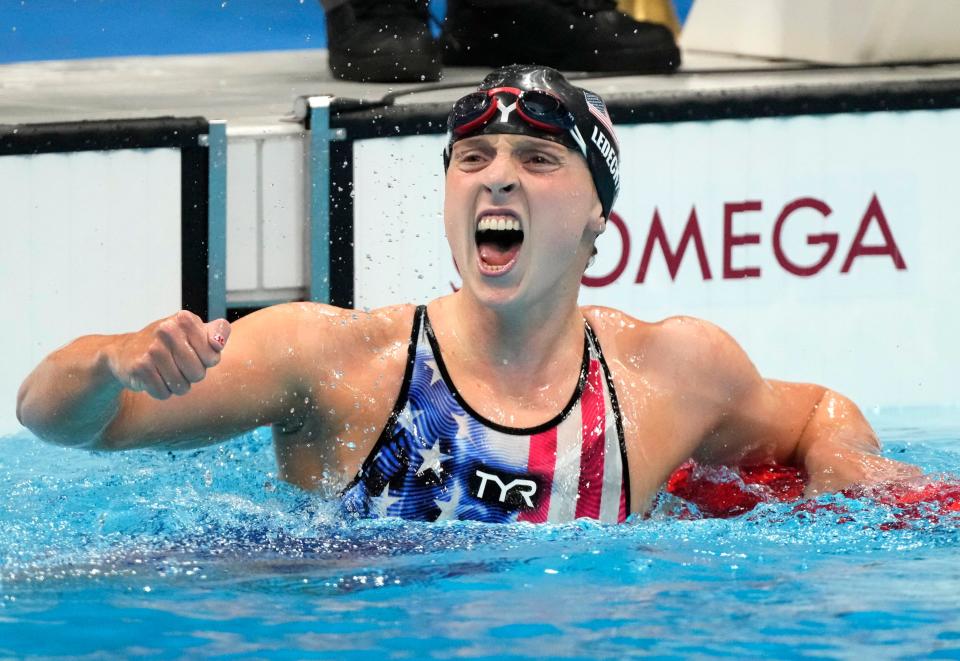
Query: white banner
x=826, y=245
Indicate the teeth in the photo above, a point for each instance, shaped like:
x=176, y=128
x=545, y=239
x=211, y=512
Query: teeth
x=497, y=223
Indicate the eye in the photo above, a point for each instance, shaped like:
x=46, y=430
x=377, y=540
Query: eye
x=541, y=161
x=470, y=159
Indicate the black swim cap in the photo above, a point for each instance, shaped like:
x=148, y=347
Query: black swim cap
x=585, y=126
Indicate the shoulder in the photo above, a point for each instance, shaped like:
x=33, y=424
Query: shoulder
x=670, y=333
x=683, y=346
x=696, y=339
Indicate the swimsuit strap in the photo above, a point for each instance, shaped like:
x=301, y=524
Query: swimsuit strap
x=385, y=434
x=614, y=405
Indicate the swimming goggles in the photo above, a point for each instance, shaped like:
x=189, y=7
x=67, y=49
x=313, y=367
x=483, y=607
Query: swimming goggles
x=538, y=108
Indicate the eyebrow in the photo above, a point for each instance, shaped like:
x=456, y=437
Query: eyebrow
x=473, y=141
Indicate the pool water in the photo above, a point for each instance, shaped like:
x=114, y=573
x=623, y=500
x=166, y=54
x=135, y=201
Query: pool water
x=205, y=553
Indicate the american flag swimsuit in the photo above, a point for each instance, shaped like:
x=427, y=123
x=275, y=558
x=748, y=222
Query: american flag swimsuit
x=437, y=459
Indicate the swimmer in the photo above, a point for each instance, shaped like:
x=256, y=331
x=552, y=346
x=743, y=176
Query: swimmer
x=504, y=401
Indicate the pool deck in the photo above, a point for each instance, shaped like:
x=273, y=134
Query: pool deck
x=257, y=90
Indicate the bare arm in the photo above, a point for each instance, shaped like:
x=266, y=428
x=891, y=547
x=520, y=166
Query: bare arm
x=175, y=382
x=804, y=424
x=77, y=391
x=839, y=449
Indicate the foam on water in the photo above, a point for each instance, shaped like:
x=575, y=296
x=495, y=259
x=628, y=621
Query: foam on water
x=206, y=552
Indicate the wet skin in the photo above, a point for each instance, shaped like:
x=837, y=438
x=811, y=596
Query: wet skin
x=512, y=340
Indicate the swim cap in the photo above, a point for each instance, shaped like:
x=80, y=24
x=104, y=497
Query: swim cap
x=539, y=102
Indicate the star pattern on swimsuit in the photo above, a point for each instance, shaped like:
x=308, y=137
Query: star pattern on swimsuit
x=435, y=371
x=383, y=502
x=408, y=419
x=432, y=459
x=463, y=431
x=448, y=508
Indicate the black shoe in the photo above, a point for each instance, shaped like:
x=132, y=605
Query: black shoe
x=382, y=41
x=578, y=35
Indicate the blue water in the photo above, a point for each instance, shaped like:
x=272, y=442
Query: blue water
x=205, y=553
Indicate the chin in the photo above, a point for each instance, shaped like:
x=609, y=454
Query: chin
x=497, y=297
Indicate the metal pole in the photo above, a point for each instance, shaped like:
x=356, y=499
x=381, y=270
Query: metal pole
x=217, y=221
x=319, y=228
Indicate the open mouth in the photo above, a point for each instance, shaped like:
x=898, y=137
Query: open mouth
x=498, y=242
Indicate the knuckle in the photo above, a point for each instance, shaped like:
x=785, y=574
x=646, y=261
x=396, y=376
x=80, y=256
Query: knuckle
x=139, y=367
x=186, y=319
x=166, y=328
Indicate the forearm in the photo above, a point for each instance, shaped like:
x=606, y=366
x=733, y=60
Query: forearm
x=839, y=449
x=72, y=395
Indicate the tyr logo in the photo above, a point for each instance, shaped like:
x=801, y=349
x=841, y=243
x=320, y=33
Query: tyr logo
x=516, y=492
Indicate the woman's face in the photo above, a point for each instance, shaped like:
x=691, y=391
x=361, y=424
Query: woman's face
x=521, y=215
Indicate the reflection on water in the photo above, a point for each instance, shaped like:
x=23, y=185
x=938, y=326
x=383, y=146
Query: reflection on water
x=205, y=552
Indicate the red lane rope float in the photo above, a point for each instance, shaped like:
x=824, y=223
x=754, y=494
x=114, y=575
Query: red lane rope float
x=723, y=492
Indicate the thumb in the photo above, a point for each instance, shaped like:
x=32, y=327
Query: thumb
x=218, y=332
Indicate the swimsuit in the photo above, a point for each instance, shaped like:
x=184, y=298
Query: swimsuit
x=438, y=459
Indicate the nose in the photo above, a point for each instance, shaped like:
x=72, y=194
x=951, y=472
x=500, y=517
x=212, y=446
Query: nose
x=501, y=176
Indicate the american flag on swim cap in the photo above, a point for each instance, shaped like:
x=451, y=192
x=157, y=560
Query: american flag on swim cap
x=598, y=109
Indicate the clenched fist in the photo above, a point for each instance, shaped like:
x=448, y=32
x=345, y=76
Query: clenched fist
x=169, y=355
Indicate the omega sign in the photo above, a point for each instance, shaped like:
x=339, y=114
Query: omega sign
x=835, y=250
